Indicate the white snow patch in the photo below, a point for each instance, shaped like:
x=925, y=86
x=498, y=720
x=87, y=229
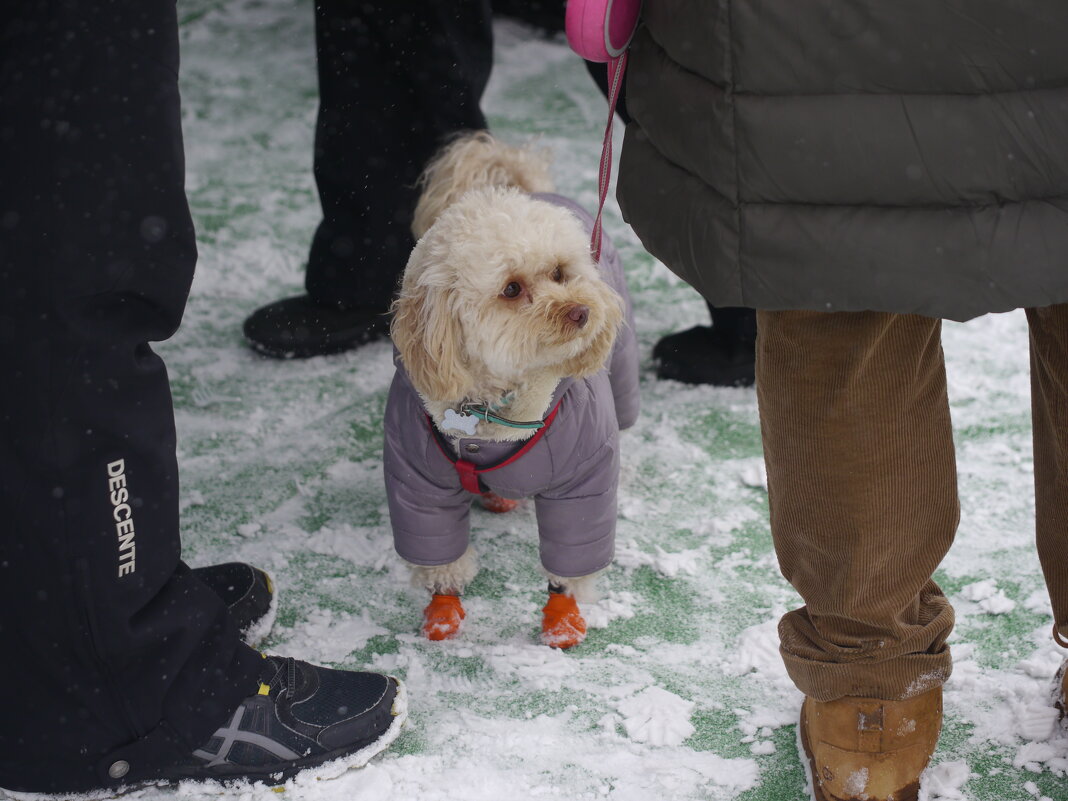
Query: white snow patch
x=1030, y=756
x=537, y=666
x=997, y=604
x=249, y=529
x=979, y=590
x=967, y=674
x=328, y=636
x=1038, y=601
x=1035, y=720
x=663, y=562
x=1042, y=664
x=189, y=499
x=363, y=546
x=755, y=474
x=657, y=717
x=945, y=781
x=856, y=783
x=611, y=606
x=757, y=652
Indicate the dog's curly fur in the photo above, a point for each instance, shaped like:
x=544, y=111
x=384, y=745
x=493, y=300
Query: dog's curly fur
x=460, y=335
x=494, y=291
x=472, y=161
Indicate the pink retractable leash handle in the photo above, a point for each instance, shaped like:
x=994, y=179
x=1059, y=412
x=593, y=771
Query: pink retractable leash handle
x=601, y=30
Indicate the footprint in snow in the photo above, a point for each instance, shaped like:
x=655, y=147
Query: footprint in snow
x=657, y=717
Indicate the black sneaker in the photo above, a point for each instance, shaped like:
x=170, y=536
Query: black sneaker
x=297, y=328
x=248, y=593
x=703, y=355
x=302, y=717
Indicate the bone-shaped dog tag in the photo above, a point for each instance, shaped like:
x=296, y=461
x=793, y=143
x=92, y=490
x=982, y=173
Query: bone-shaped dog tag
x=464, y=423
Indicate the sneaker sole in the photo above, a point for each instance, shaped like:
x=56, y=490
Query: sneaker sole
x=303, y=772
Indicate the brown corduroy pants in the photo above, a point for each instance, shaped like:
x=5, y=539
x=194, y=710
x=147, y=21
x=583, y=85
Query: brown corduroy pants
x=863, y=490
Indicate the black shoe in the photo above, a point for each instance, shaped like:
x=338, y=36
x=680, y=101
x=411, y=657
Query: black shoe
x=703, y=355
x=302, y=717
x=296, y=328
x=248, y=593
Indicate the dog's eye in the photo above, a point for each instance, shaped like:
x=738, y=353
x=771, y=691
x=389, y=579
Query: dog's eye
x=513, y=290
x=558, y=274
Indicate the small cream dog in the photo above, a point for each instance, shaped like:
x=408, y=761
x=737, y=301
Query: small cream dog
x=517, y=367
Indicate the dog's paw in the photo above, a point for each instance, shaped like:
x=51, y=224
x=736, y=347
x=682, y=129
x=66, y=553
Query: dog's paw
x=562, y=625
x=492, y=502
x=442, y=617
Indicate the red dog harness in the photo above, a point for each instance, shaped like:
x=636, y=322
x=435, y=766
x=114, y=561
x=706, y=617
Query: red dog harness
x=470, y=473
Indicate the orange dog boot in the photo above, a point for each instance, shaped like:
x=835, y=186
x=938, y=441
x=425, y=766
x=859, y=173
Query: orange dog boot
x=562, y=625
x=492, y=502
x=442, y=617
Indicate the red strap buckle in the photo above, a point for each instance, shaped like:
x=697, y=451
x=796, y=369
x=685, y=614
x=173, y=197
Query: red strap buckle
x=468, y=476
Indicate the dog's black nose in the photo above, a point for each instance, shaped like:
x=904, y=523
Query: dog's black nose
x=579, y=315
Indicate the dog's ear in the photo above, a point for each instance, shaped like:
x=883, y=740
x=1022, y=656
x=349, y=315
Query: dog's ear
x=428, y=336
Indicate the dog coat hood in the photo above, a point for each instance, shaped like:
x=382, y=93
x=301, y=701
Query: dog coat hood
x=571, y=472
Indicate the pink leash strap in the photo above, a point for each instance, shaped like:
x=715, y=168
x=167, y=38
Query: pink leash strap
x=616, y=68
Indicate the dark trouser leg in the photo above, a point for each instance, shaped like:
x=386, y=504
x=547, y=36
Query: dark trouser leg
x=862, y=484
x=1049, y=412
x=734, y=322
x=721, y=354
x=395, y=78
x=107, y=639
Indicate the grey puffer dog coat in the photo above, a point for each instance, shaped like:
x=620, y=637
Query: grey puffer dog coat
x=572, y=470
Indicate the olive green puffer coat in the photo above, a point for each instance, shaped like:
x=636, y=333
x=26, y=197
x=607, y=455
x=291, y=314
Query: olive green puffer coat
x=902, y=156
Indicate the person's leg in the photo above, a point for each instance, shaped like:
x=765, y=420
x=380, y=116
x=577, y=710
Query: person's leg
x=863, y=496
x=1049, y=412
x=108, y=638
x=396, y=78
x=723, y=354
x=736, y=322
x=124, y=666
x=863, y=500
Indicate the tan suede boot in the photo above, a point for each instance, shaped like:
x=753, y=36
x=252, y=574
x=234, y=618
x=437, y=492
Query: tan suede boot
x=866, y=749
x=1060, y=690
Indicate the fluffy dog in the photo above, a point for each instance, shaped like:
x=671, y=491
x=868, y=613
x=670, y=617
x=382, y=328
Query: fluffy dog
x=516, y=369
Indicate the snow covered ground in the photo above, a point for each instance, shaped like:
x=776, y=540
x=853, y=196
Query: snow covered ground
x=678, y=693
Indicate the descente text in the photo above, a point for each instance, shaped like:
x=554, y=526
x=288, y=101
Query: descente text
x=123, y=514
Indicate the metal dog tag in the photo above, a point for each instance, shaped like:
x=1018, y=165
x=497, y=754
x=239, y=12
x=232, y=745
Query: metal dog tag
x=464, y=423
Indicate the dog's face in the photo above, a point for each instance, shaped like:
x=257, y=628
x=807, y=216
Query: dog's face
x=500, y=287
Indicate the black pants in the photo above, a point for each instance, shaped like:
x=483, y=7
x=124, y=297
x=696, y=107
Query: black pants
x=109, y=648
x=396, y=77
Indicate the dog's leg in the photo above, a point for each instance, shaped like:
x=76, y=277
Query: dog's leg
x=562, y=624
x=581, y=588
x=492, y=502
x=445, y=583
